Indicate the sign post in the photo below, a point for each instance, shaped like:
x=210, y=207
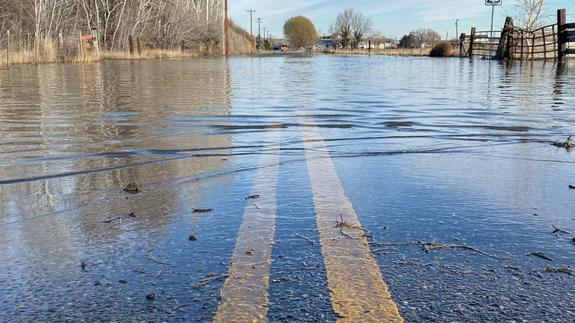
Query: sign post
x=492, y=4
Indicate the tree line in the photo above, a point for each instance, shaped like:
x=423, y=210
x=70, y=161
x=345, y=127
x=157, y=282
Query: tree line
x=159, y=23
x=351, y=28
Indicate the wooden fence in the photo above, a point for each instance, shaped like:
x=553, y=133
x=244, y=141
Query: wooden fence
x=478, y=43
x=547, y=42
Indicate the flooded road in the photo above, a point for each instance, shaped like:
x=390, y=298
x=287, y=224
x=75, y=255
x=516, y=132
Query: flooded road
x=287, y=189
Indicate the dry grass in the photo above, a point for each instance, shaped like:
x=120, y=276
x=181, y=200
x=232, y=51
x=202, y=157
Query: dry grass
x=389, y=52
x=150, y=54
x=48, y=52
x=441, y=49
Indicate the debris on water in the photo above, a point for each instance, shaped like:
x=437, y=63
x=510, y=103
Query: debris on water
x=540, y=255
x=250, y=252
x=192, y=238
x=560, y=270
x=119, y=219
x=122, y=281
x=344, y=225
x=102, y=283
x=203, y=210
x=567, y=144
x=427, y=247
x=151, y=296
x=83, y=265
x=557, y=231
x=573, y=240
x=159, y=261
x=305, y=238
x=253, y=197
x=132, y=188
x=208, y=279
x=515, y=271
x=140, y=271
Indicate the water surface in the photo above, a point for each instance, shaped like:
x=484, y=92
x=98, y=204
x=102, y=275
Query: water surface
x=438, y=150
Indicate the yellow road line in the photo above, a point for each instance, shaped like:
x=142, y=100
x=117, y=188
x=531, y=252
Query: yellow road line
x=357, y=290
x=245, y=291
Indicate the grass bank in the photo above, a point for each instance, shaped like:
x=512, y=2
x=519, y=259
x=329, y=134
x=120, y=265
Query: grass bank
x=50, y=52
x=414, y=52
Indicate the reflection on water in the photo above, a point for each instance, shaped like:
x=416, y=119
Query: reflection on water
x=73, y=136
x=60, y=120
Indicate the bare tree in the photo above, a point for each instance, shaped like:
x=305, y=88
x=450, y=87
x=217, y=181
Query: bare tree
x=530, y=13
x=360, y=26
x=342, y=27
x=420, y=37
x=159, y=23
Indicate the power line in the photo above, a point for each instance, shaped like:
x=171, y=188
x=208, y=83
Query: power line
x=251, y=11
x=259, y=20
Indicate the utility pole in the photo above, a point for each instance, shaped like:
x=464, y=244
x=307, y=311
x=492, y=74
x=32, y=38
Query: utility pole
x=251, y=11
x=493, y=4
x=259, y=20
x=457, y=28
x=226, y=30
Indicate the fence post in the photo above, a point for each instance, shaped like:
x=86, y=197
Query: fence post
x=96, y=36
x=507, y=28
x=131, y=44
x=522, y=44
x=533, y=47
x=461, y=42
x=544, y=44
x=60, y=46
x=139, y=46
x=8, y=50
x=81, y=47
x=472, y=41
x=561, y=46
x=36, y=48
x=510, y=52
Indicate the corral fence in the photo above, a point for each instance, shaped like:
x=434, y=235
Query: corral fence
x=546, y=42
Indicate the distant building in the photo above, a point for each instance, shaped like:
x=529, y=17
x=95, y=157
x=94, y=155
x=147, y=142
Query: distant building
x=327, y=43
x=378, y=43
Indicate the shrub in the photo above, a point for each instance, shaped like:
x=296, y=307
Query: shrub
x=441, y=49
x=301, y=32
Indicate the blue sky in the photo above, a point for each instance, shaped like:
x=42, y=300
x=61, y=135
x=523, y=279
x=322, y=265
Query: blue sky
x=391, y=17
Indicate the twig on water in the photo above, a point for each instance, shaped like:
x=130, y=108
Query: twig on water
x=305, y=238
x=202, y=210
x=540, y=255
x=158, y=261
x=344, y=225
x=560, y=270
x=557, y=231
x=433, y=246
x=208, y=279
x=120, y=218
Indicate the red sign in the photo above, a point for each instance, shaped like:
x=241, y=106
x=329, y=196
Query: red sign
x=87, y=37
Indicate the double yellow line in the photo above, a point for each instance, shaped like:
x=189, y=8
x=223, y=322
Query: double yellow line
x=357, y=290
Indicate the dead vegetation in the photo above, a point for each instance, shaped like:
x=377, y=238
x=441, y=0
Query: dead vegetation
x=441, y=49
x=429, y=247
x=567, y=144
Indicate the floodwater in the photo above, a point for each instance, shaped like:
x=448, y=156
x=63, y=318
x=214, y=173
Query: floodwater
x=449, y=151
